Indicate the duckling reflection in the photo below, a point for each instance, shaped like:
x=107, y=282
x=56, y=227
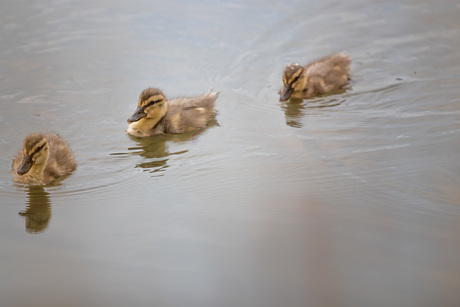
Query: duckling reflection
x=296, y=108
x=294, y=111
x=156, y=150
x=38, y=210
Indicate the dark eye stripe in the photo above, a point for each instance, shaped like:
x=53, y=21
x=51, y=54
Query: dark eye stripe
x=37, y=150
x=295, y=79
x=151, y=103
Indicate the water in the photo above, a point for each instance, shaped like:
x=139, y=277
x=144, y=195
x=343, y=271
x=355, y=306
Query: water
x=344, y=200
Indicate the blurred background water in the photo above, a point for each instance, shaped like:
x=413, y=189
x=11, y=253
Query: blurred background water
x=344, y=200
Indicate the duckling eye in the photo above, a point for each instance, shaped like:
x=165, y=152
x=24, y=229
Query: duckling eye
x=295, y=79
x=32, y=155
x=151, y=103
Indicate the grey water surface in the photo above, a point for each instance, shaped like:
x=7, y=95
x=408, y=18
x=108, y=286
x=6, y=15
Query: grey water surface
x=351, y=199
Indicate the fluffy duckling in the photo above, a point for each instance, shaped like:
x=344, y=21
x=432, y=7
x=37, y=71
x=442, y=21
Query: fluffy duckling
x=43, y=159
x=319, y=77
x=157, y=115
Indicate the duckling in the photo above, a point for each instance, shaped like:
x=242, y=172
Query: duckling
x=43, y=159
x=157, y=115
x=319, y=77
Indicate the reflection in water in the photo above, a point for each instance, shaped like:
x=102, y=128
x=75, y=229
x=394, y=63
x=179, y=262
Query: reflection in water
x=38, y=210
x=155, y=148
x=295, y=108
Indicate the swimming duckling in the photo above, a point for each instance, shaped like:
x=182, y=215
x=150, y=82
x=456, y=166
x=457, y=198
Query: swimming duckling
x=43, y=159
x=319, y=77
x=157, y=115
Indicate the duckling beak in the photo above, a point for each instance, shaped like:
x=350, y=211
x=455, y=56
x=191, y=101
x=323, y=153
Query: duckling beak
x=25, y=166
x=138, y=114
x=287, y=91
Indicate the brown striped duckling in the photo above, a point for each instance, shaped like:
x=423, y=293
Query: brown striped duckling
x=319, y=77
x=157, y=115
x=44, y=158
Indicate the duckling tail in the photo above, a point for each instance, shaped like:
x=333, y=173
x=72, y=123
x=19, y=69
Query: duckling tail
x=211, y=93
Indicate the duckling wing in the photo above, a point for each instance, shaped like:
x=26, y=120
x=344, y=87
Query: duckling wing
x=329, y=73
x=186, y=114
x=60, y=160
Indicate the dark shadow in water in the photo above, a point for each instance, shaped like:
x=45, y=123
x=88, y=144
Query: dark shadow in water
x=295, y=108
x=155, y=148
x=38, y=210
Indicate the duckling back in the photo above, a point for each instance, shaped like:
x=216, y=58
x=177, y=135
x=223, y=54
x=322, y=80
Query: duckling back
x=61, y=160
x=328, y=74
x=187, y=114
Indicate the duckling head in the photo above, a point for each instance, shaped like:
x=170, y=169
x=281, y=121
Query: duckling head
x=151, y=105
x=294, y=79
x=35, y=153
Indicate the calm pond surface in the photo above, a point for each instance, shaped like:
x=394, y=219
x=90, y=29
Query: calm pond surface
x=350, y=199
